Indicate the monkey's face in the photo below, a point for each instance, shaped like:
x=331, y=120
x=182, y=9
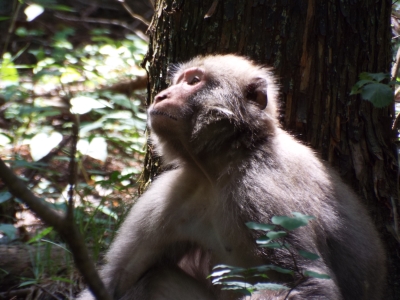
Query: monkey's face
x=172, y=108
x=213, y=103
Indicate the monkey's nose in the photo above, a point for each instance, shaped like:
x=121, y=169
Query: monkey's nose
x=160, y=97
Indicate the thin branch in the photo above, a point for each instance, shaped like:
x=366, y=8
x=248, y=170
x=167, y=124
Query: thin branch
x=19, y=190
x=396, y=231
x=395, y=68
x=66, y=229
x=396, y=122
x=133, y=15
x=152, y=3
x=16, y=294
x=47, y=292
x=11, y=28
x=103, y=21
x=72, y=168
x=212, y=9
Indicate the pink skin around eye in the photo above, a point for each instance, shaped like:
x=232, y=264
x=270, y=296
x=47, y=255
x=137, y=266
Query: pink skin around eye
x=182, y=88
x=190, y=74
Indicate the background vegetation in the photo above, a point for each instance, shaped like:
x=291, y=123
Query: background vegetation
x=63, y=64
x=69, y=64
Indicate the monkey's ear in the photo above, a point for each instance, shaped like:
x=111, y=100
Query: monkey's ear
x=257, y=93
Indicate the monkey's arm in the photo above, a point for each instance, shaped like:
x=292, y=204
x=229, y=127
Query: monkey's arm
x=152, y=226
x=144, y=235
x=131, y=253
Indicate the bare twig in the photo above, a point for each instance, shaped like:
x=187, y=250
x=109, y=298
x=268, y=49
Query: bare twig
x=16, y=293
x=72, y=169
x=66, y=228
x=47, y=292
x=395, y=229
x=395, y=68
x=133, y=15
x=212, y=9
x=396, y=122
x=103, y=21
x=12, y=25
x=152, y=3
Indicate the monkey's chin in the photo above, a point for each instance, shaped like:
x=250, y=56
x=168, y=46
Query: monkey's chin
x=157, y=113
x=164, y=125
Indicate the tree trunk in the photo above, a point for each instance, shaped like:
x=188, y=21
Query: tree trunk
x=318, y=49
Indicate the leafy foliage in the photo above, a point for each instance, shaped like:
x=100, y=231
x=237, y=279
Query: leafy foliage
x=372, y=89
x=67, y=83
x=251, y=280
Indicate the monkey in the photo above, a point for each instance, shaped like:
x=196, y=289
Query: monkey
x=216, y=128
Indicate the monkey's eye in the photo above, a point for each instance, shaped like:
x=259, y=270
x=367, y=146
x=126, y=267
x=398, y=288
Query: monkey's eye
x=194, y=80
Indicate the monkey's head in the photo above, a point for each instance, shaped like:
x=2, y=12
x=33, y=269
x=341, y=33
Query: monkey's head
x=214, y=103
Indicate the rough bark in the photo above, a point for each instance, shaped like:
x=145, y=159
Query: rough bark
x=318, y=49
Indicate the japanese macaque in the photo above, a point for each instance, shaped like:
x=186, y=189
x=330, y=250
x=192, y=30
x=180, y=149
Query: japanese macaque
x=216, y=127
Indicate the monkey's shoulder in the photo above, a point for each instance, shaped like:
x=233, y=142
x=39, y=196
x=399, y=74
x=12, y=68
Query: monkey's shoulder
x=294, y=159
x=179, y=185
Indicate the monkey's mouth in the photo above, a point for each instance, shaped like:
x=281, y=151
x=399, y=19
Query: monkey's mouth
x=162, y=113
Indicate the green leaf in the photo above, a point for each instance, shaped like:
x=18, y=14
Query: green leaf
x=68, y=74
x=309, y=273
x=42, y=143
x=270, y=245
x=105, y=210
x=266, y=268
x=246, y=291
x=8, y=72
x=308, y=255
x=281, y=270
x=365, y=76
x=263, y=240
x=28, y=282
x=273, y=235
x=240, y=284
x=379, y=76
x=31, y=165
x=120, y=99
x=222, y=272
x=379, y=94
x=291, y=223
x=259, y=226
x=83, y=104
x=119, y=115
x=218, y=280
x=23, y=32
x=224, y=267
x=5, y=196
x=33, y=11
x=62, y=279
x=5, y=139
x=61, y=8
x=356, y=89
x=233, y=270
x=40, y=235
x=267, y=242
x=97, y=148
x=9, y=230
x=219, y=273
x=91, y=126
x=269, y=286
x=257, y=275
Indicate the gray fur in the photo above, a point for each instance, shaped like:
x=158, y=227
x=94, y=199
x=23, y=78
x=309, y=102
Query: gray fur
x=232, y=164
